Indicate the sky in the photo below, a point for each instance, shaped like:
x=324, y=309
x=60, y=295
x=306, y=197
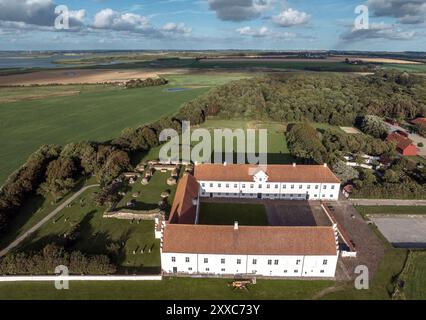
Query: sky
x=389, y=25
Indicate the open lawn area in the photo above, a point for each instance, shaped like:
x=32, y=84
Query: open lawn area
x=408, y=210
x=228, y=213
x=277, y=145
x=97, y=234
x=414, y=276
x=168, y=289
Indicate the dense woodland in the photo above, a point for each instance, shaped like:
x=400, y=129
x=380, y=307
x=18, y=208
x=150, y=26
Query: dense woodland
x=328, y=98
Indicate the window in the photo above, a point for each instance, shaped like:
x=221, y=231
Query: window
x=298, y=262
x=223, y=269
x=222, y=261
x=316, y=187
x=260, y=186
x=309, y=186
x=301, y=187
x=270, y=262
x=316, y=196
x=268, y=186
x=235, y=185
x=173, y=259
x=292, y=186
x=187, y=259
x=323, y=195
x=325, y=262
x=300, y=196
x=206, y=260
x=324, y=187
x=322, y=271
x=254, y=261
x=189, y=269
x=296, y=271
x=284, y=186
x=276, y=262
x=252, y=186
x=332, y=187
x=285, y=271
x=219, y=185
x=238, y=261
x=254, y=271
x=207, y=269
x=276, y=186
x=243, y=186
x=331, y=196
x=203, y=184
x=227, y=185
x=211, y=185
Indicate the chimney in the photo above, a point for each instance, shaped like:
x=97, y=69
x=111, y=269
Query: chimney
x=294, y=164
x=236, y=225
x=325, y=165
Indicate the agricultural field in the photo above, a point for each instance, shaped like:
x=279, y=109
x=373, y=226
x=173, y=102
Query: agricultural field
x=412, y=68
x=79, y=113
x=228, y=213
x=413, y=278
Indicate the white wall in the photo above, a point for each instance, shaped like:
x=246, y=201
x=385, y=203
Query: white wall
x=269, y=190
x=274, y=266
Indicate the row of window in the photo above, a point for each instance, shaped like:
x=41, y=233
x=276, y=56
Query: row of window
x=268, y=186
x=255, y=271
x=254, y=261
x=269, y=195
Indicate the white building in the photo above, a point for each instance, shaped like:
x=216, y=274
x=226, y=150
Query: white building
x=190, y=248
x=291, y=182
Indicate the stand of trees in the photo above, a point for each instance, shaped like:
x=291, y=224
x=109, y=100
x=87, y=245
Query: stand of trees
x=45, y=262
x=150, y=82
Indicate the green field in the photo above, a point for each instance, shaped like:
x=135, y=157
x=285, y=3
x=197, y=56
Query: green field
x=278, y=152
x=412, y=68
x=412, y=210
x=228, y=213
x=168, y=289
x=414, y=276
x=97, y=233
x=96, y=113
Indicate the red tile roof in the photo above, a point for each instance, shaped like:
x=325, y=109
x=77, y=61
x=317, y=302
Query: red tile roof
x=183, y=209
x=402, y=142
x=276, y=173
x=419, y=121
x=248, y=240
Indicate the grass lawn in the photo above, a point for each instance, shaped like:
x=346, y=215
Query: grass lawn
x=410, y=210
x=168, y=289
x=150, y=195
x=413, y=68
x=414, y=276
x=97, y=233
x=277, y=145
x=228, y=213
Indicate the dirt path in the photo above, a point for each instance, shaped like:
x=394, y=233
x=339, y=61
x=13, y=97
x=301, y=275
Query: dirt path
x=33, y=229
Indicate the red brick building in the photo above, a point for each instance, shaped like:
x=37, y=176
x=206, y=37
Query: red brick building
x=404, y=145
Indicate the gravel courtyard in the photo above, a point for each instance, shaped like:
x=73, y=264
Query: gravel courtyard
x=402, y=232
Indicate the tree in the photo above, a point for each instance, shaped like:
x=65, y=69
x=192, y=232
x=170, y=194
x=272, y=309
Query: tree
x=345, y=173
x=374, y=126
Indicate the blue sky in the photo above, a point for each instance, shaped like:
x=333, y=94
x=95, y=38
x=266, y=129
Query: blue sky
x=394, y=25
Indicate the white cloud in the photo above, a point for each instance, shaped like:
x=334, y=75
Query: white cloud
x=239, y=10
x=378, y=31
x=291, y=17
x=113, y=20
x=176, y=28
x=264, y=32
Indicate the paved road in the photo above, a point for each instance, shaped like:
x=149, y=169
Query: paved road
x=387, y=202
x=21, y=238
